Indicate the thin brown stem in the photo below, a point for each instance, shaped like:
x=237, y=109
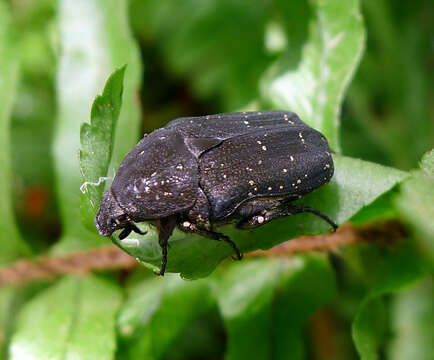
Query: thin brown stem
x=113, y=258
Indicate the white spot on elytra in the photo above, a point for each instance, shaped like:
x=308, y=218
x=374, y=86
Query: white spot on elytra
x=261, y=219
x=153, y=174
x=285, y=170
x=259, y=162
x=224, y=176
x=251, y=182
x=270, y=188
x=259, y=142
x=179, y=166
x=186, y=224
x=298, y=181
x=292, y=158
x=264, y=148
x=281, y=187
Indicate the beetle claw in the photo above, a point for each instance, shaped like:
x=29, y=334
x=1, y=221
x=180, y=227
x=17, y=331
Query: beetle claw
x=137, y=230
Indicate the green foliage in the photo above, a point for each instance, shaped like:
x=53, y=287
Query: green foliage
x=152, y=304
x=312, y=75
x=97, y=145
x=83, y=67
x=74, y=319
x=413, y=323
x=14, y=247
x=415, y=204
x=395, y=270
x=368, y=301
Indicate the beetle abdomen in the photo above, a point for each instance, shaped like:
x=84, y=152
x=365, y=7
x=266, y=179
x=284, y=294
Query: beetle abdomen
x=278, y=162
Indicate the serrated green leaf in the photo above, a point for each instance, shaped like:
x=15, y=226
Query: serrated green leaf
x=356, y=184
x=84, y=65
x=311, y=78
x=74, y=319
x=156, y=312
x=13, y=247
x=396, y=269
x=97, y=140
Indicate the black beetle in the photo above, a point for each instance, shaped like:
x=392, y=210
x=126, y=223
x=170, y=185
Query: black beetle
x=197, y=172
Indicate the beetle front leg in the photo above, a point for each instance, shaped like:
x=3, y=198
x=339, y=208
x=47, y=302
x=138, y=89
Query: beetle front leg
x=187, y=226
x=165, y=228
x=285, y=209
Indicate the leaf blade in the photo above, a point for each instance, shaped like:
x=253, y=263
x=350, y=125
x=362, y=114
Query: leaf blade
x=75, y=319
x=97, y=139
x=311, y=78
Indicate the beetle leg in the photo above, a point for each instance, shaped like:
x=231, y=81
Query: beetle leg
x=137, y=230
x=187, y=226
x=301, y=208
x=125, y=232
x=285, y=209
x=165, y=228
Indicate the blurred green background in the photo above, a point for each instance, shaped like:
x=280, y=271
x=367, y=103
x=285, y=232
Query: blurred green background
x=210, y=56
x=194, y=55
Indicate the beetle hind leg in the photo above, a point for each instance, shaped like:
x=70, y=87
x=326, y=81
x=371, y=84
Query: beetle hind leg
x=187, y=226
x=285, y=209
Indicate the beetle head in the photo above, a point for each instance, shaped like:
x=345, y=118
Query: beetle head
x=110, y=216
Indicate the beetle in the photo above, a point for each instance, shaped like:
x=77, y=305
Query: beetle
x=200, y=172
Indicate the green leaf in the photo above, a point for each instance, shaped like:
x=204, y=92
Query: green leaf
x=220, y=60
x=391, y=271
x=413, y=323
x=306, y=284
x=97, y=140
x=267, y=302
x=326, y=41
x=84, y=65
x=245, y=296
x=74, y=319
x=356, y=184
x=415, y=204
x=14, y=246
x=12, y=299
x=427, y=164
x=157, y=311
